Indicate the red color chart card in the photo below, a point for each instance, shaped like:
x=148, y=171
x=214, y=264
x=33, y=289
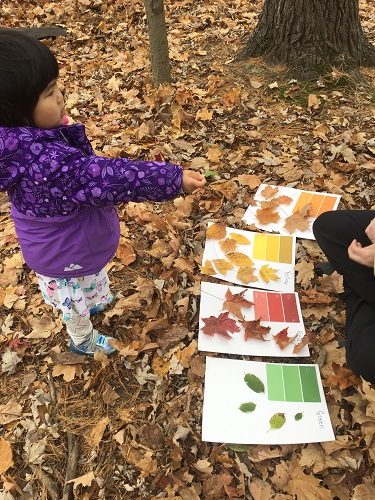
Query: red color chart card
x=288, y=210
x=257, y=260
x=247, y=321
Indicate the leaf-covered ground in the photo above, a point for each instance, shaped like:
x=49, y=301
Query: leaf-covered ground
x=130, y=427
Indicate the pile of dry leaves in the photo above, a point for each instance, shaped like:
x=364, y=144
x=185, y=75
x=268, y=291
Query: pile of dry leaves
x=130, y=426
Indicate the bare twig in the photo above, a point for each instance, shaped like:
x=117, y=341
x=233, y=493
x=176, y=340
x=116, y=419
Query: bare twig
x=71, y=466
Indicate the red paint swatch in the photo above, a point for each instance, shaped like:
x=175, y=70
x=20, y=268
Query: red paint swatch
x=290, y=308
x=276, y=307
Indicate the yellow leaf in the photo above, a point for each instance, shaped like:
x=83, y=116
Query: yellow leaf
x=240, y=259
x=207, y=268
x=159, y=365
x=268, y=274
x=204, y=115
x=222, y=265
x=216, y=232
x=240, y=238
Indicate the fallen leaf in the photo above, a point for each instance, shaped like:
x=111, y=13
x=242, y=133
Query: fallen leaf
x=254, y=330
x=6, y=455
x=268, y=274
x=216, y=232
x=221, y=325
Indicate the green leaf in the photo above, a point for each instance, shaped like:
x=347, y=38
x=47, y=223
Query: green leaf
x=247, y=407
x=254, y=382
x=209, y=173
x=277, y=420
x=298, y=416
x=239, y=447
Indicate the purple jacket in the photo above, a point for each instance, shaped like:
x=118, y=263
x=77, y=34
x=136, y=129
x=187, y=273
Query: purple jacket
x=63, y=196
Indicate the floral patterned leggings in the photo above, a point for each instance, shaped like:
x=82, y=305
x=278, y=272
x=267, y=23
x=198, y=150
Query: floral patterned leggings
x=74, y=297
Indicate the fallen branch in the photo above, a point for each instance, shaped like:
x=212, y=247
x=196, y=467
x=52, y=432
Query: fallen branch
x=71, y=466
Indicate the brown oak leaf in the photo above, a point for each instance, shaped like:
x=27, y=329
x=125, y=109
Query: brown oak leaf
x=222, y=325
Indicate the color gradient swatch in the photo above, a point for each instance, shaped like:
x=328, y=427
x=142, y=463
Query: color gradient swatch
x=273, y=248
x=319, y=202
x=276, y=307
x=292, y=383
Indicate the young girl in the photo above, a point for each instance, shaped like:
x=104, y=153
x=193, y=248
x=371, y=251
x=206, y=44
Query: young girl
x=347, y=237
x=62, y=195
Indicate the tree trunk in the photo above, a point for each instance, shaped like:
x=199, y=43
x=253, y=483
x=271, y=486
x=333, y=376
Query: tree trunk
x=161, y=70
x=310, y=37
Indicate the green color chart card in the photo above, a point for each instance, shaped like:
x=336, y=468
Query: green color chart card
x=251, y=402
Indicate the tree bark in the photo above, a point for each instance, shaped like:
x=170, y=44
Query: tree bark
x=310, y=37
x=161, y=70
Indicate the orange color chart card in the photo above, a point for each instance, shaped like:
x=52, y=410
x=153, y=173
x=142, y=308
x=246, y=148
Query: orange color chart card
x=288, y=211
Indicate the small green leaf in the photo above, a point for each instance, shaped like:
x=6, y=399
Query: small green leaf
x=247, y=407
x=298, y=416
x=254, y=382
x=277, y=420
x=239, y=447
x=209, y=173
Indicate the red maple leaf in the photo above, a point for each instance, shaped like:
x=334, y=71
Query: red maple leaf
x=222, y=325
x=19, y=346
x=254, y=330
x=282, y=339
x=308, y=337
x=234, y=303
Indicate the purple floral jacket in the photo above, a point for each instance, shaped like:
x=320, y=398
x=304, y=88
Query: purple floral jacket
x=62, y=196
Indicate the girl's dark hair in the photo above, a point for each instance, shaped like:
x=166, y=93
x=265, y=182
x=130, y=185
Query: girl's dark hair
x=26, y=68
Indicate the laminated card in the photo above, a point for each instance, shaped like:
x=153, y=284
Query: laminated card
x=250, y=402
x=287, y=210
x=258, y=260
x=247, y=321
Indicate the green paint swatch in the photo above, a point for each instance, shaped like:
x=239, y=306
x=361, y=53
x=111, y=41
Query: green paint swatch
x=292, y=383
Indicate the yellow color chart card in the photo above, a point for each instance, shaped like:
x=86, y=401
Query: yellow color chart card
x=257, y=260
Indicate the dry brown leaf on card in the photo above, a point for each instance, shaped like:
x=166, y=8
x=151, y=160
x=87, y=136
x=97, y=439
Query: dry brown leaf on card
x=267, y=215
x=269, y=192
x=246, y=275
x=300, y=220
x=227, y=245
x=284, y=200
x=216, y=232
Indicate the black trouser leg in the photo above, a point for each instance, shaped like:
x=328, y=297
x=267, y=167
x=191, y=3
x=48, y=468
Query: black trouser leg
x=334, y=231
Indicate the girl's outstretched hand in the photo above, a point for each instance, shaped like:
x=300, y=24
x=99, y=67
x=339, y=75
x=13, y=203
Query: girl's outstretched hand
x=360, y=254
x=192, y=180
